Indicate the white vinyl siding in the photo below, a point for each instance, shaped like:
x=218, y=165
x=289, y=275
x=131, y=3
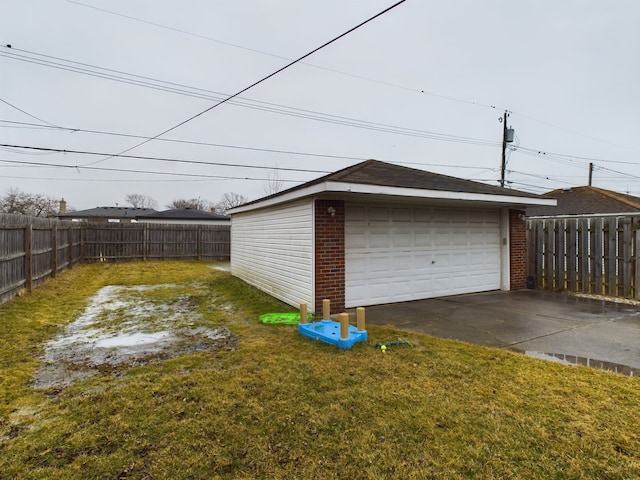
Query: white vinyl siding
x=401, y=253
x=272, y=249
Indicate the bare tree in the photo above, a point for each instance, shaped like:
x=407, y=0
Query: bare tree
x=228, y=201
x=193, y=203
x=137, y=200
x=273, y=184
x=35, y=205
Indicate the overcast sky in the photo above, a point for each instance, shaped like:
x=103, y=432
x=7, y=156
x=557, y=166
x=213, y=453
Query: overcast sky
x=422, y=85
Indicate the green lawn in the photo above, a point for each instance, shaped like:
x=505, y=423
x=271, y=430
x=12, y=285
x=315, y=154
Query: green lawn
x=274, y=404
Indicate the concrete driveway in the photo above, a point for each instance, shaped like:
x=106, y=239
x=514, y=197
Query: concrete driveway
x=549, y=325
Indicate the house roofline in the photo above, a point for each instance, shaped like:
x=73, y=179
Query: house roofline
x=417, y=193
x=582, y=215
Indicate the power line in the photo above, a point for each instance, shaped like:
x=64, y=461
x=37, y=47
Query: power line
x=263, y=79
x=121, y=180
x=26, y=113
x=152, y=172
x=240, y=147
x=360, y=77
x=181, y=89
x=262, y=52
x=624, y=174
x=541, y=177
x=190, y=142
x=161, y=159
x=574, y=132
x=543, y=153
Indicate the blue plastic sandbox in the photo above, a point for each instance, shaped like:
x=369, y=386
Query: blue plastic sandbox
x=328, y=331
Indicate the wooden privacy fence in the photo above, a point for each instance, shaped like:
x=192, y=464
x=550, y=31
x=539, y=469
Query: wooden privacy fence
x=33, y=249
x=597, y=255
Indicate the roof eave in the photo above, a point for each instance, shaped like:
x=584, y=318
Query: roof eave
x=418, y=193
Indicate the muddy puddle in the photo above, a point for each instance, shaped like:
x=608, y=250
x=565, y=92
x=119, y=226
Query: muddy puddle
x=127, y=326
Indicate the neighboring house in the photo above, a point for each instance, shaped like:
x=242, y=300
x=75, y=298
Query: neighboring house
x=586, y=201
x=188, y=216
x=378, y=233
x=106, y=214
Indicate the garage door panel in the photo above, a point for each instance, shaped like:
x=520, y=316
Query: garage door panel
x=380, y=238
x=397, y=254
x=378, y=214
x=441, y=238
x=401, y=214
x=403, y=264
x=402, y=239
x=355, y=214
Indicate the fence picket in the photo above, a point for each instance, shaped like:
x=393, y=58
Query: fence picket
x=34, y=249
x=599, y=255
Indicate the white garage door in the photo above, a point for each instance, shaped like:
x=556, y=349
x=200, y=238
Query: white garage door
x=396, y=253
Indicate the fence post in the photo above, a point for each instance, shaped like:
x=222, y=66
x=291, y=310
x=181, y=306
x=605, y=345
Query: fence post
x=83, y=227
x=612, y=256
x=145, y=241
x=636, y=273
x=70, y=246
x=28, y=256
x=624, y=253
x=199, y=242
x=54, y=250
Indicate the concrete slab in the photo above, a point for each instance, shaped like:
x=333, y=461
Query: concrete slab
x=559, y=325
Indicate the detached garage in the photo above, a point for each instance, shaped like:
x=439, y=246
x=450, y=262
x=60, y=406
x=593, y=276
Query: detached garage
x=379, y=233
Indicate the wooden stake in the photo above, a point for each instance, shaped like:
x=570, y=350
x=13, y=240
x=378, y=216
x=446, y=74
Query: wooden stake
x=303, y=313
x=326, y=309
x=360, y=319
x=344, y=326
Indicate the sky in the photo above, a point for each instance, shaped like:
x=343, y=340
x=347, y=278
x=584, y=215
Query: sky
x=423, y=85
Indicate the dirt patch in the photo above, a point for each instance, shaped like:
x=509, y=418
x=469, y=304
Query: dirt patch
x=126, y=326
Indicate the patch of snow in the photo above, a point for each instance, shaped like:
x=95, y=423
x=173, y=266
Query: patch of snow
x=118, y=329
x=132, y=340
x=222, y=268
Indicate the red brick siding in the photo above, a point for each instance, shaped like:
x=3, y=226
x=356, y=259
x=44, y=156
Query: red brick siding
x=329, y=252
x=518, y=249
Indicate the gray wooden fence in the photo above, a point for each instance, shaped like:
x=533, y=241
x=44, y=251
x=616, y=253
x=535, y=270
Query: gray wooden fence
x=597, y=255
x=34, y=249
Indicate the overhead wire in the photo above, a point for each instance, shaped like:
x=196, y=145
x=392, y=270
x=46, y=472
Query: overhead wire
x=181, y=89
x=288, y=152
x=360, y=77
x=544, y=153
x=26, y=113
x=281, y=57
x=262, y=80
x=102, y=180
x=162, y=159
x=308, y=64
x=240, y=147
x=128, y=170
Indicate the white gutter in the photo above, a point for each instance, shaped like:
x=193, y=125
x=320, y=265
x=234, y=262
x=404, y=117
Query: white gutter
x=340, y=187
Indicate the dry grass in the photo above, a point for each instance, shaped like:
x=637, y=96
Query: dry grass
x=282, y=406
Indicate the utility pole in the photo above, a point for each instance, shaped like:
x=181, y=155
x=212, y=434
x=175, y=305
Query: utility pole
x=590, y=173
x=507, y=137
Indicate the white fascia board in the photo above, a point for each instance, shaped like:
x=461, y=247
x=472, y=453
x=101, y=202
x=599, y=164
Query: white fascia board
x=437, y=194
x=340, y=187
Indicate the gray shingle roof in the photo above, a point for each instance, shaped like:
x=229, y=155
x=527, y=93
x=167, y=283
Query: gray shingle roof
x=185, y=214
x=108, y=212
x=375, y=172
x=586, y=200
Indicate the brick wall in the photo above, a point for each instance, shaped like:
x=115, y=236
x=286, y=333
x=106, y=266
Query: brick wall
x=329, y=251
x=518, y=249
